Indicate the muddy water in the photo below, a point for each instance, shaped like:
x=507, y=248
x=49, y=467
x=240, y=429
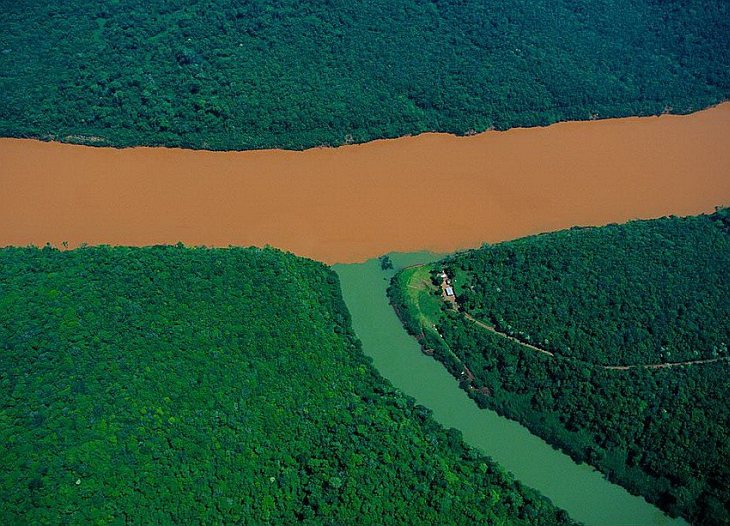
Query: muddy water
x=434, y=191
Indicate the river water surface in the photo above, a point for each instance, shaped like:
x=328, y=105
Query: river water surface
x=343, y=205
x=339, y=205
x=577, y=488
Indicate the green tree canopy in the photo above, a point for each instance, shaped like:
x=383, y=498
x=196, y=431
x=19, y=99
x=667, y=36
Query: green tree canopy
x=239, y=75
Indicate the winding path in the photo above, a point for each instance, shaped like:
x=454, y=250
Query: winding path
x=490, y=328
x=507, y=336
x=666, y=365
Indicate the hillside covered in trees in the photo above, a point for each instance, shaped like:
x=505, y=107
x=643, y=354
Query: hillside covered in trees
x=173, y=385
x=216, y=74
x=564, y=331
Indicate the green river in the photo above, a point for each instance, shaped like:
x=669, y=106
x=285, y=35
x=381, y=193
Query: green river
x=577, y=488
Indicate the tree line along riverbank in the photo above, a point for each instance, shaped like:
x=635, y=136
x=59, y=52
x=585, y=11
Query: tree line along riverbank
x=644, y=292
x=221, y=76
x=181, y=385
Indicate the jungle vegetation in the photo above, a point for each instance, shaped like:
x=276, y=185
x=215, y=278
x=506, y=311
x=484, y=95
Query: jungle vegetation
x=173, y=385
x=642, y=293
x=218, y=74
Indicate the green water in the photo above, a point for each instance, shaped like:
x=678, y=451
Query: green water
x=577, y=488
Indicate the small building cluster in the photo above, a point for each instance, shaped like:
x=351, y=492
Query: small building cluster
x=446, y=284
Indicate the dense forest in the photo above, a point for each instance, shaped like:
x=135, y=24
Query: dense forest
x=217, y=74
x=201, y=386
x=643, y=293
x=651, y=292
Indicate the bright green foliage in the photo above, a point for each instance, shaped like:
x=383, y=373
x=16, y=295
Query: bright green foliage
x=661, y=433
x=194, y=386
x=237, y=75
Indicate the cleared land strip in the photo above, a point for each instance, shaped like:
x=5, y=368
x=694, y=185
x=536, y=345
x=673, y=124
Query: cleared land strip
x=607, y=367
x=493, y=330
x=507, y=336
x=665, y=365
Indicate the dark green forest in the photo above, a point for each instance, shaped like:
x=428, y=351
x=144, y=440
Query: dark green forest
x=206, y=386
x=281, y=73
x=647, y=292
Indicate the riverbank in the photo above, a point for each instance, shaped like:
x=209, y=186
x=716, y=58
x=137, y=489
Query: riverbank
x=580, y=490
x=339, y=204
x=546, y=345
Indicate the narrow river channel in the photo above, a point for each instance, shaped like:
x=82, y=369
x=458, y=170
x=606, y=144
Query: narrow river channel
x=577, y=488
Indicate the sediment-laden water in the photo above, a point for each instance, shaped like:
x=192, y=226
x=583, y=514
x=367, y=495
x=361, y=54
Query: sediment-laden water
x=434, y=191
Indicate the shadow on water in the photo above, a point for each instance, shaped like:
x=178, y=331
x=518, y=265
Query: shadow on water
x=577, y=488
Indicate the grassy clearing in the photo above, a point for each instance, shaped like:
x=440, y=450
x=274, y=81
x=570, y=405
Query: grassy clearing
x=420, y=296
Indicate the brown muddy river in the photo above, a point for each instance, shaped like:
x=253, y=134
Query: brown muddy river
x=434, y=191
